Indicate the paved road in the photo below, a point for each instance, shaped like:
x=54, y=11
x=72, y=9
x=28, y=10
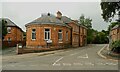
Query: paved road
x=82, y=58
x=8, y=52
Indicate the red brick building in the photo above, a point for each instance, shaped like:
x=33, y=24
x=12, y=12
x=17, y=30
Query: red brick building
x=14, y=34
x=58, y=31
x=75, y=33
x=82, y=35
x=115, y=33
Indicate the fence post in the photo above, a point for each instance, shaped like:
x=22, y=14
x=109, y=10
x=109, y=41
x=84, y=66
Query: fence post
x=19, y=49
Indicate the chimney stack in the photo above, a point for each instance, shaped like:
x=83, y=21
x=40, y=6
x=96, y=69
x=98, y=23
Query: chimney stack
x=59, y=15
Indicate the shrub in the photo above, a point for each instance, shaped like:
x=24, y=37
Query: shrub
x=116, y=46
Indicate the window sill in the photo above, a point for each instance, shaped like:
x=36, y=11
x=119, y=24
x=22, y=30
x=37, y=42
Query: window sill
x=46, y=39
x=60, y=42
x=33, y=39
x=9, y=32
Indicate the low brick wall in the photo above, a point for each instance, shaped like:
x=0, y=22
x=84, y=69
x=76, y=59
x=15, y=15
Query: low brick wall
x=34, y=50
x=12, y=43
x=24, y=50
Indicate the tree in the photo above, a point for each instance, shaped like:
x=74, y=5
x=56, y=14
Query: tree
x=91, y=35
x=4, y=28
x=85, y=21
x=109, y=9
x=88, y=23
x=101, y=37
x=82, y=19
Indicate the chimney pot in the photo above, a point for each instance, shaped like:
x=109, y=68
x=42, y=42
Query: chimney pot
x=59, y=15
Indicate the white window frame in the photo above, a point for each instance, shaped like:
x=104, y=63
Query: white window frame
x=9, y=29
x=46, y=38
x=61, y=34
x=9, y=39
x=35, y=34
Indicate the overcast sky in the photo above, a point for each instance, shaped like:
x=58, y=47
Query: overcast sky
x=22, y=13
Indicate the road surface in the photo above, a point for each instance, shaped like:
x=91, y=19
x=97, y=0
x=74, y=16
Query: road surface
x=82, y=58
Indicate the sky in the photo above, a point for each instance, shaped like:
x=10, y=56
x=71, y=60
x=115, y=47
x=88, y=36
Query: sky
x=22, y=13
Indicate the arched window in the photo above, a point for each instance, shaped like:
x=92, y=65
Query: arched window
x=9, y=29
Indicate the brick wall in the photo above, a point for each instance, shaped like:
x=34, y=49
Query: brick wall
x=40, y=41
x=13, y=43
x=16, y=36
x=75, y=34
x=83, y=36
x=115, y=34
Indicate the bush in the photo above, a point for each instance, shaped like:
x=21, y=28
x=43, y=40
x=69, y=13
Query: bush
x=116, y=46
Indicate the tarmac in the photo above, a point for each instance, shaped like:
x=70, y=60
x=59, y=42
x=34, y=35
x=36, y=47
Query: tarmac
x=107, y=54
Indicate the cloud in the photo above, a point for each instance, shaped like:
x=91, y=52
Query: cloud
x=23, y=12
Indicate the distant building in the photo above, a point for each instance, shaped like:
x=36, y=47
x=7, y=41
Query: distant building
x=59, y=30
x=115, y=33
x=82, y=35
x=14, y=34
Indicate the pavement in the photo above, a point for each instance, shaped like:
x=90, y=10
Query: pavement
x=107, y=54
x=81, y=58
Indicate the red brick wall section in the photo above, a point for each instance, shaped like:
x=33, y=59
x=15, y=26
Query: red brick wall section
x=16, y=36
x=13, y=43
x=78, y=38
x=75, y=34
x=115, y=34
x=83, y=36
x=39, y=41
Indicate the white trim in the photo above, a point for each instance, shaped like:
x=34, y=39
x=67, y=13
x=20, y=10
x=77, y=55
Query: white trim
x=47, y=34
x=33, y=39
x=60, y=42
x=9, y=29
x=60, y=33
x=35, y=35
x=9, y=39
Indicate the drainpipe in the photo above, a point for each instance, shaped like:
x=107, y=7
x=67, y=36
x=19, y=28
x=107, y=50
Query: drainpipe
x=71, y=37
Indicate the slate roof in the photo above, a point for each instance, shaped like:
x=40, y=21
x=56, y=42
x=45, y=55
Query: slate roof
x=45, y=19
x=66, y=19
x=50, y=19
x=9, y=22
